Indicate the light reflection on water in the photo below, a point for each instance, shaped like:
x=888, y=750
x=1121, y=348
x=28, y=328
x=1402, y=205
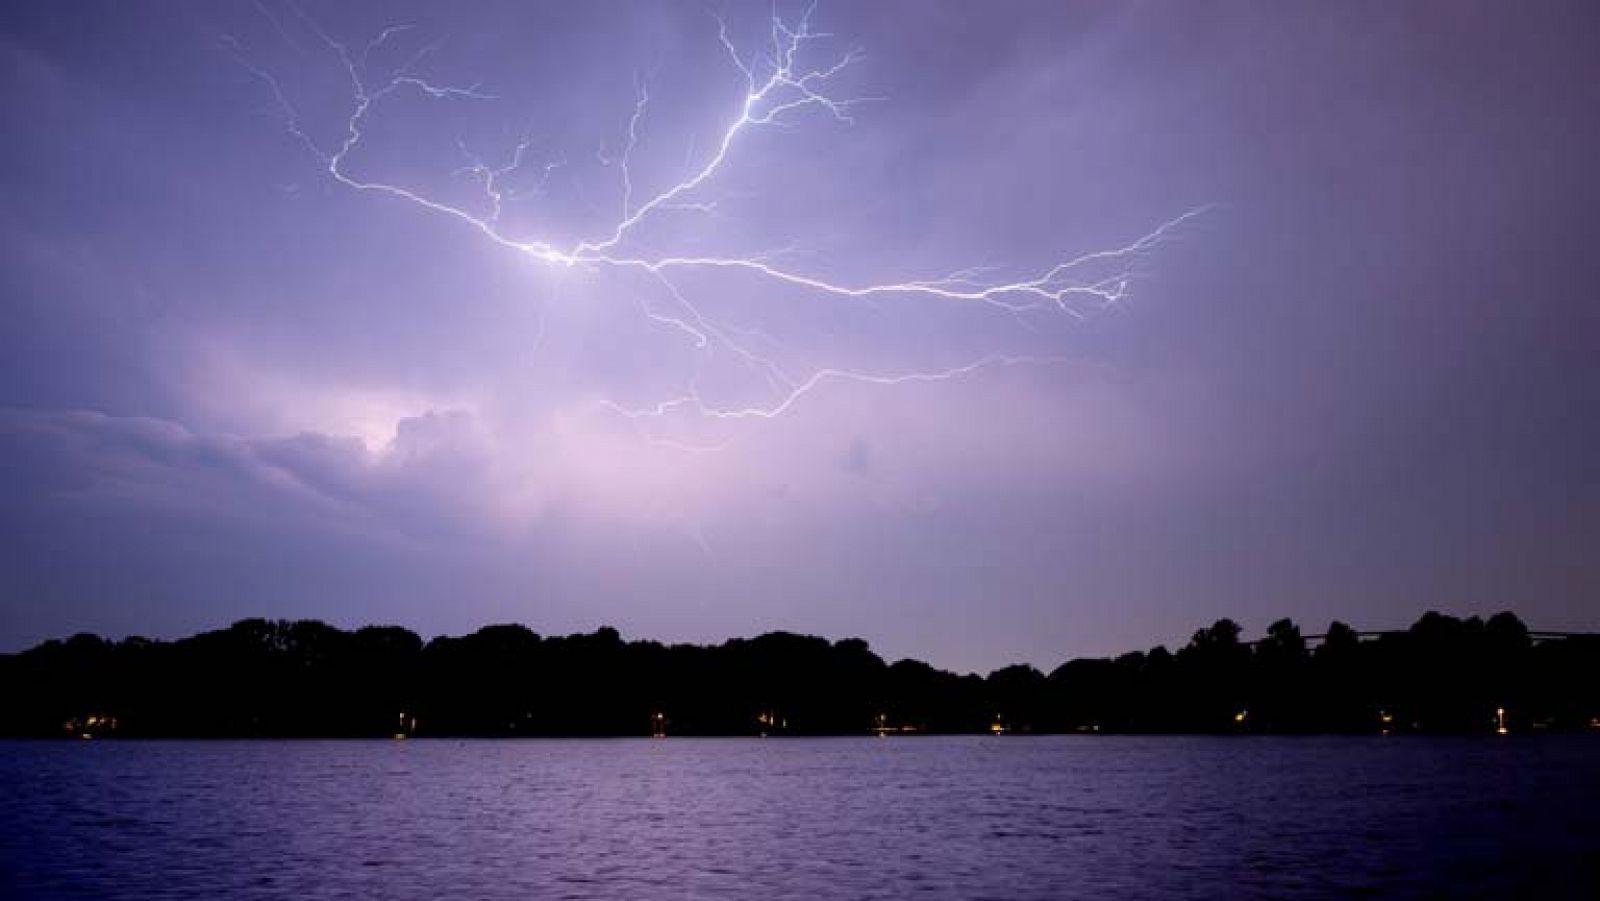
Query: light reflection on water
x=981, y=817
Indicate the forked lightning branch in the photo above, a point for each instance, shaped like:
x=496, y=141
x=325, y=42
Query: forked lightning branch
x=790, y=77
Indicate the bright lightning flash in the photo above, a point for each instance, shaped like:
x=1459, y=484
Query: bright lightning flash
x=779, y=84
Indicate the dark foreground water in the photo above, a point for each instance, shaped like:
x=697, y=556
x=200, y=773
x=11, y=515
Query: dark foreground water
x=1009, y=817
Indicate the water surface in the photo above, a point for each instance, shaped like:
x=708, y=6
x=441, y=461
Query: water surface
x=1011, y=817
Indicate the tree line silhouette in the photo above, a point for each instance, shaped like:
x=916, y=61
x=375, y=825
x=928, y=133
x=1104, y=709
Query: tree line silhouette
x=286, y=679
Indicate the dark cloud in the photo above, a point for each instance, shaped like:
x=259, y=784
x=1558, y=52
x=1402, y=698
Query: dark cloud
x=857, y=458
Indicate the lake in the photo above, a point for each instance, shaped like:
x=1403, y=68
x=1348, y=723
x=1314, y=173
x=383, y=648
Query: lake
x=1007, y=817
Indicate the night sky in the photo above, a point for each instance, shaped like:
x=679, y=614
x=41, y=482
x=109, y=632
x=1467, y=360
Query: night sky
x=1354, y=378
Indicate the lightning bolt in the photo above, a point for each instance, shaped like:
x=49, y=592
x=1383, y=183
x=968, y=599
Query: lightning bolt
x=779, y=83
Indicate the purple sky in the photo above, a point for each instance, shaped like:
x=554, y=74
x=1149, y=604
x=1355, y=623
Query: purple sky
x=1359, y=384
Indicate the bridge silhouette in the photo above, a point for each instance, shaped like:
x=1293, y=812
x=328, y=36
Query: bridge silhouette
x=1372, y=635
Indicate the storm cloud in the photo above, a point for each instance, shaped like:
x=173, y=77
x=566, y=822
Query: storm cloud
x=1359, y=385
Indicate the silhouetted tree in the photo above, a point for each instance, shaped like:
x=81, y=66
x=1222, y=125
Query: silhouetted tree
x=263, y=677
x=1281, y=681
